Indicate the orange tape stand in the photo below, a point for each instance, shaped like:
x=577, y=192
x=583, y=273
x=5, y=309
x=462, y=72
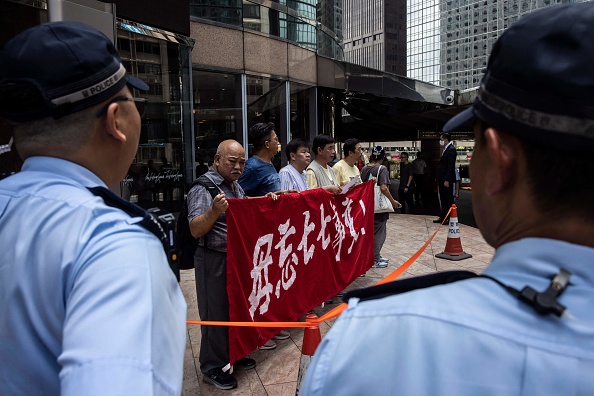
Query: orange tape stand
x=311, y=339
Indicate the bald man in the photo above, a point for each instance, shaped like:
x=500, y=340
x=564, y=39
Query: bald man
x=207, y=223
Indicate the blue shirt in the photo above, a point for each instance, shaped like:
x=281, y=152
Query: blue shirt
x=470, y=337
x=88, y=303
x=259, y=178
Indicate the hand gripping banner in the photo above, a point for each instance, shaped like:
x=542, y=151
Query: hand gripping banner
x=286, y=257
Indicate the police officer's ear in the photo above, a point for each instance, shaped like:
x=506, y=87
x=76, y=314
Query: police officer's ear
x=115, y=121
x=505, y=159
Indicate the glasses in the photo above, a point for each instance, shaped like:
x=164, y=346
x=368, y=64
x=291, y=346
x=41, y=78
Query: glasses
x=139, y=102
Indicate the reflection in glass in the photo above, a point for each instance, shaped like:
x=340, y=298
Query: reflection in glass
x=155, y=177
x=217, y=113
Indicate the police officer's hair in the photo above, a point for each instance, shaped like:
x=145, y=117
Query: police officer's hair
x=349, y=145
x=45, y=135
x=294, y=145
x=561, y=181
x=260, y=133
x=321, y=141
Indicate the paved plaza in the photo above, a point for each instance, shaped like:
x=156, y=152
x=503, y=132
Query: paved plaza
x=276, y=371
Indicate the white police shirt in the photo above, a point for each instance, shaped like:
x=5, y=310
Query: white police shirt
x=471, y=337
x=88, y=303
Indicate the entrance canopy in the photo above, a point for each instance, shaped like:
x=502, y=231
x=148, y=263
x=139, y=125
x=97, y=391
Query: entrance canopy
x=385, y=107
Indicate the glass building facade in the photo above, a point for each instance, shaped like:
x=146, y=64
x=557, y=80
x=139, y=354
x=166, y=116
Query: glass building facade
x=375, y=34
x=267, y=74
x=449, y=41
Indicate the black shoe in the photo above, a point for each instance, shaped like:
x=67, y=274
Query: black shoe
x=245, y=363
x=220, y=379
x=438, y=221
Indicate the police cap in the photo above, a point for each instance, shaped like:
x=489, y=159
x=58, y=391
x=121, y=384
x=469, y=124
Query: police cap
x=58, y=68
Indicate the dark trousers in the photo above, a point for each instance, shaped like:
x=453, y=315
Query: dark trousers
x=379, y=233
x=446, y=197
x=419, y=185
x=213, y=304
x=406, y=198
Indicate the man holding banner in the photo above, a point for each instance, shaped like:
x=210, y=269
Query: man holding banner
x=208, y=224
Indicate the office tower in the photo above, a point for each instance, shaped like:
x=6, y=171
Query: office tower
x=375, y=34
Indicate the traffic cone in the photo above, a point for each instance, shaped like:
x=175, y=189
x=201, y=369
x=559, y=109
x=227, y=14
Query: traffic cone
x=311, y=340
x=453, y=250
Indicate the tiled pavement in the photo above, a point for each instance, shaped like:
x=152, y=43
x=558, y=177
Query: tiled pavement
x=276, y=370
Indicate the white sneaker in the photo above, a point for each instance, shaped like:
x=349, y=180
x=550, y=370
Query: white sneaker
x=384, y=259
x=380, y=264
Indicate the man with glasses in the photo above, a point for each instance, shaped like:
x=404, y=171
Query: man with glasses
x=260, y=176
x=88, y=303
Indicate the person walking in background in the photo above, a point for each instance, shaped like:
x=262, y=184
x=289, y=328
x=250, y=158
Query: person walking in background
x=457, y=185
x=292, y=175
x=420, y=175
x=376, y=170
x=260, y=176
x=88, y=302
x=405, y=187
x=446, y=176
x=526, y=325
x=318, y=173
x=346, y=168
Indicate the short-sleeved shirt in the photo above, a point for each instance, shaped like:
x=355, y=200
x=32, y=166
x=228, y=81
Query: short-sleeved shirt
x=471, y=337
x=88, y=302
x=259, y=178
x=383, y=177
x=291, y=179
x=344, y=172
x=419, y=166
x=405, y=174
x=200, y=200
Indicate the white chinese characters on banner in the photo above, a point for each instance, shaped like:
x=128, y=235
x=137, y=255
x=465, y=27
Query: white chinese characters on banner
x=288, y=260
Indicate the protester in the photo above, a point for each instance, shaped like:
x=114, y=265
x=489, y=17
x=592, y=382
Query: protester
x=527, y=326
x=446, y=176
x=293, y=174
x=318, y=173
x=405, y=188
x=260, y=175
x=261, y=178
x=376, y=170
x=208, y=224
x=88, y=303
x=420, y=174
x=346, y=169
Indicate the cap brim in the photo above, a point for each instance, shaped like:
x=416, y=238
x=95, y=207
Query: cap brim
x=460, y=121
x=136, y=83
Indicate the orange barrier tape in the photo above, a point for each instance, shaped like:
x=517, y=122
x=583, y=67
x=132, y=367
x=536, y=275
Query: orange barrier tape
x=333, y=313
x=338, y=310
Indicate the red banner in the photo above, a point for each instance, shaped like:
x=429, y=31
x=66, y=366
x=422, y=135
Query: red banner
x=286, y=257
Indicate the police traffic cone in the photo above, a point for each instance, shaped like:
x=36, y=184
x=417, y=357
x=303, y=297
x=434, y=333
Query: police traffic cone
x=311, y=340
x=453, y=250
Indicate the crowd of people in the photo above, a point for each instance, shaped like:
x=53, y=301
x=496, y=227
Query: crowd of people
x=88, y=303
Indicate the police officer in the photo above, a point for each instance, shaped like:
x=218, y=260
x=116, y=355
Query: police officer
x=88, y=304
x=525, y=327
